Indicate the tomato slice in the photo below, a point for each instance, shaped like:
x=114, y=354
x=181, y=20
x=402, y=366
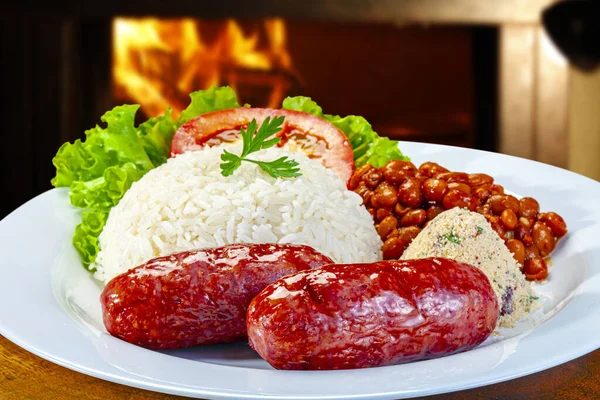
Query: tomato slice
x=301, y=132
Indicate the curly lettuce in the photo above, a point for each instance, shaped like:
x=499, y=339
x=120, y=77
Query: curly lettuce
x=100, y=169
x=367, y=146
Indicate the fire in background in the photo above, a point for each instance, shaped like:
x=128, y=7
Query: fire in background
x=158, y=62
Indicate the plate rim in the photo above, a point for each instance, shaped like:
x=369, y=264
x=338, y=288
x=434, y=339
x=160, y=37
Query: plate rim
x=141, y=383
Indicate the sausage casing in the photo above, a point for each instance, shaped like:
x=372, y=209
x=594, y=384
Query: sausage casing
x=367, y=315
x=197, y=297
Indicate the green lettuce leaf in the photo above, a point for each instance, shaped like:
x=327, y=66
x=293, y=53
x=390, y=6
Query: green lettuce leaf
x=367, y=146
x=86, y=235
x=204, y=101
x=156, y=135
x=100, y=169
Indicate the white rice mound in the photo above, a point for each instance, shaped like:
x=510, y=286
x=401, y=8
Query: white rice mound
x=186, y=204
x=468, y=237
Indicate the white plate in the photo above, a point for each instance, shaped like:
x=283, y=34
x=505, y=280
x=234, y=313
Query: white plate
x=50, y=306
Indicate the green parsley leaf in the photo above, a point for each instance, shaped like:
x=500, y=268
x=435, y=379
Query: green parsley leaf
x=254, y=141
x=450, y=237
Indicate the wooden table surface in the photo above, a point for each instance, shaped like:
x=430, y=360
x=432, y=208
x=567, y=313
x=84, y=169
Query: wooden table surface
x=26, y=376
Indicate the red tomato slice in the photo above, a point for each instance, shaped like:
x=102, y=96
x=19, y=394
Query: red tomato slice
x=301, y=132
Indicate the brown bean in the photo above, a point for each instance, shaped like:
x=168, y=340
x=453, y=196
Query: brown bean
x=381, y=213
x=434, y=189
x=409, y=192
x=483, y=209
x=554, y=222
x=408, y=234
x=429, y=169
x=463, y=187
x=395, y=176
x=480, y=179
x=414, y=217
x=509, y=219
x=375, y=201
x=517, y=248
x=364, y=192
x=497, y=225
x=392, y=248
x=528, y=207
x=373, y=178
x=386, y=195
x=497, y=189
x=358, y=175
x=501, y=202
x=543, y=238
x=535, y=269
x=482, y=192
x=386, y=226
x=455, y=198
x=371, y=211
x=402, y=165
x=433, y=212
x=449, y=177
x=531, y=251
x=400, y=209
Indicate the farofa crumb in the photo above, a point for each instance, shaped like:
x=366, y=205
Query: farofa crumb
x=465, y=236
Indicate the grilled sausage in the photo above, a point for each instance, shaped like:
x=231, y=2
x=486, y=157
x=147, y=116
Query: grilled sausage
x=367, y=315
x=197, y=297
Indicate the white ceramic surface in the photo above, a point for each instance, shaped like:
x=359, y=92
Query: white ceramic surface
x=50, y=306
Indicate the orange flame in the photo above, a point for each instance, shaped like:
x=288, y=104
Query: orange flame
x=158, y=62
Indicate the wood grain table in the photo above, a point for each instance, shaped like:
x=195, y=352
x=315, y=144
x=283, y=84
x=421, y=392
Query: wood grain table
x=26, y=376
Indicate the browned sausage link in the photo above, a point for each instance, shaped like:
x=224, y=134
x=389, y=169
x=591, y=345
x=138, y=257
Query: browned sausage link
x=352, y=316
x=197, y=297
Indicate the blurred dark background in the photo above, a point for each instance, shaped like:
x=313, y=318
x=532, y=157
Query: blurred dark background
x=450, y=72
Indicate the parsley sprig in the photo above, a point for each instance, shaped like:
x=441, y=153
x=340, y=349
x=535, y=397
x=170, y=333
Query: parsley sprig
x=256, y=140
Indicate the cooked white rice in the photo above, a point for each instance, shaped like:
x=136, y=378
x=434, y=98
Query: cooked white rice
x=187, y=204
